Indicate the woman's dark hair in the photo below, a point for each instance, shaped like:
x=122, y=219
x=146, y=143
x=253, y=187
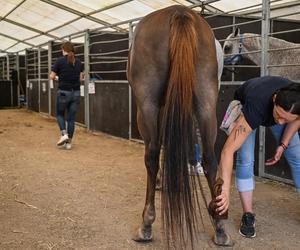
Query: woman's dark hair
x=69, y=48
x=289, y=98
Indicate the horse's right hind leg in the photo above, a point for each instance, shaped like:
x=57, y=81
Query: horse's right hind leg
x=148, y=129
x=207, y=123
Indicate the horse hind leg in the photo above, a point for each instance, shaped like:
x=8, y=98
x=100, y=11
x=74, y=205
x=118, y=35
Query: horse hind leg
x=148, y=130
x=208, y=129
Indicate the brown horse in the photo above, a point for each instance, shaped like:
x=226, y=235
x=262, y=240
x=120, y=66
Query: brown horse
x=172, y=69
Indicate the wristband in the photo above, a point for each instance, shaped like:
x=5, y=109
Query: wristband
x=283, y=145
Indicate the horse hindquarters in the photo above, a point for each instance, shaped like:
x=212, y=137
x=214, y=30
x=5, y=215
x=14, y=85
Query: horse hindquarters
x=150, y=67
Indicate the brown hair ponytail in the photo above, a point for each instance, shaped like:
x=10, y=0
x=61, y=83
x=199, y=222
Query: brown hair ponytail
x=69, y=48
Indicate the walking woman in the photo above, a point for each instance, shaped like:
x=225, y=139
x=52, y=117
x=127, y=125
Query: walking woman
x=69, y=71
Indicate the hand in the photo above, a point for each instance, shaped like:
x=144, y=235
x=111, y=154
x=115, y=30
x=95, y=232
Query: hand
x=222, y=202
x=276, y=157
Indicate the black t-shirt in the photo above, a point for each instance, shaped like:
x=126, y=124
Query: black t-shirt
x=68, y=74
x=256, y=97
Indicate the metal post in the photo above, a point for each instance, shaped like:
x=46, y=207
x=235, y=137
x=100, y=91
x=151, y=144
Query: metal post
x=49, y=71
x=18, y=76
x=129, y=88
x=86, y=79
x=265, y=29
x=39, y=77
x=36, y=62
x=7, y=66
x=233, y=29
x=3, y=69
x=26, y=70
x=7, y=77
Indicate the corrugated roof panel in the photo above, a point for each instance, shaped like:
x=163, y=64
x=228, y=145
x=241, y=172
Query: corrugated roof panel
x=159, y=4
x=18, y=47
x=106, y=18
x=6, y=42
x=38, y=40
x=77, y=5
x=16, y=31
x=7, y=6
x=78, y=40
x=229, y=5
x=183, y=2
x=124, y=12
x=135, y=9
x=79, y=25
x=40, y=15
x=87, y=5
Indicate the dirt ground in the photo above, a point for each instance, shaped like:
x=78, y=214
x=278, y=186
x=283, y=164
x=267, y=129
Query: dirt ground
x=92, y=196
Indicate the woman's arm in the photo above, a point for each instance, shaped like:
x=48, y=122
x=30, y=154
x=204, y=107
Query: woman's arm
x=81, y=76
x=288, y=133
x=234, y=141
x=52, y=75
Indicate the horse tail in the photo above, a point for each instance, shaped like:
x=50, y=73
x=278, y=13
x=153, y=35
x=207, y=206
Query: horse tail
x=178, y=206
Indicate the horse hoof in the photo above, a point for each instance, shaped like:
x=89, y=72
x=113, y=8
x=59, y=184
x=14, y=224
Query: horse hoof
x=143, y=236
x=158, y=187
x=223, y=240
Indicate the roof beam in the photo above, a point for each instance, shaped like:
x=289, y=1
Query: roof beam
x=17, y=41
x=272, y=7
x=82, y=16
x=12, y=10
x=4, y=18
x=91, y=13
x=213, y=9
x=28, y=28
x=205, y=5
x=202, y=3
x=88, y=15
x=73, y=20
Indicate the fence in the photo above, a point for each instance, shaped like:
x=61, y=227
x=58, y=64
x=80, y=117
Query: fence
x=107, y=104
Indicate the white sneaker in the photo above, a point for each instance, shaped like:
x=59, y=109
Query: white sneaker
x=199, y=169
x=68, y=145
x=195, y=170
x=62, y=140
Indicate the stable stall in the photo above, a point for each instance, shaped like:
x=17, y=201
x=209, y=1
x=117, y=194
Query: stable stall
x=107, y=102
x=12, y=69
x=109, y=92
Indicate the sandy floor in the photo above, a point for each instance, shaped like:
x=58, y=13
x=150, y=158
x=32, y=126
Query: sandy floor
x=92, y=196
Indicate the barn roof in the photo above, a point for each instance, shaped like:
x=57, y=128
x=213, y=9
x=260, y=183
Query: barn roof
x=32, y=23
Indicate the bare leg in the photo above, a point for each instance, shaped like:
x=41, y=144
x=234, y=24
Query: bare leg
x=246, y=200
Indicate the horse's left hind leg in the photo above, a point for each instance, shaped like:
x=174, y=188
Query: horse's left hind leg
x=148, y=130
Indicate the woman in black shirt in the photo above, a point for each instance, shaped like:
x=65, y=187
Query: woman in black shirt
x=265, y=101
x=70, y=72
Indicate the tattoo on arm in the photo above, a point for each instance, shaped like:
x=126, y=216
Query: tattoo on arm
x=240, y=130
